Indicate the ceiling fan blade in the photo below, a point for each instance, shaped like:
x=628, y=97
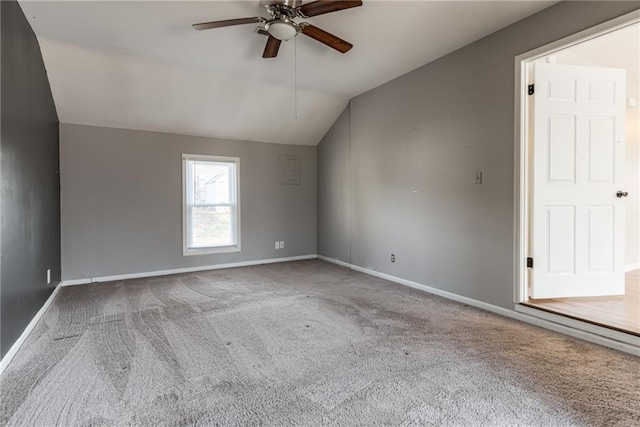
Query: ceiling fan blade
x=272, y=47
x=321, y=7
x=228, y=23
x=327, y=38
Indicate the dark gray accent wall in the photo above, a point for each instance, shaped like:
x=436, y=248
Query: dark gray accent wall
x=30, y=190
x=122, y=201
x=414, y=145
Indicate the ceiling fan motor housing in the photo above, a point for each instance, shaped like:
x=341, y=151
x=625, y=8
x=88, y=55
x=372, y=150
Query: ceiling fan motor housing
x=290, y=3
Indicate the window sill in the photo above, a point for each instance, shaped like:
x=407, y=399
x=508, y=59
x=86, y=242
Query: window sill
x=211, y=250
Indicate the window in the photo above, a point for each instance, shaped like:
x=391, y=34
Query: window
x=211, y=204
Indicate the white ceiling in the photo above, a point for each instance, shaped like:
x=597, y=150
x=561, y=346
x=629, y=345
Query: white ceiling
x=140, y=65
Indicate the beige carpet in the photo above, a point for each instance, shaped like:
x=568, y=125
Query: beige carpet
x=302, y=343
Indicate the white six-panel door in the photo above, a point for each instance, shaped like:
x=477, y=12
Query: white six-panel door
x=578, y=167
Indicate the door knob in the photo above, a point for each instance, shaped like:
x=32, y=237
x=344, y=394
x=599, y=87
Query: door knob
x=621, y=194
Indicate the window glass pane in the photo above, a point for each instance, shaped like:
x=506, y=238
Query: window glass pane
x=212, y=183
x=211, y=226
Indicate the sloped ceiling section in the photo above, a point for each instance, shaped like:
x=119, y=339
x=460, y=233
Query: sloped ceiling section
x=118, y=90
x=140, y=65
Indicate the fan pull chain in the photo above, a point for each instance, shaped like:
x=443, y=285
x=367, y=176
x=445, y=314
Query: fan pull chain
x=295, y=77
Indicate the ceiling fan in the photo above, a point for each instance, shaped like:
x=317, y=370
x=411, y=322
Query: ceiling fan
x=281, y=25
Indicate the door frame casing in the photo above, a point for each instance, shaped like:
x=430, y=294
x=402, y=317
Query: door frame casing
x=521, y=158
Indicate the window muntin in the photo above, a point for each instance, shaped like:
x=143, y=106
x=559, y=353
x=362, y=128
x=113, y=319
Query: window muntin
x=211, y=204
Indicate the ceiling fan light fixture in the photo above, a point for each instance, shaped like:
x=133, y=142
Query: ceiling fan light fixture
x=282, y=30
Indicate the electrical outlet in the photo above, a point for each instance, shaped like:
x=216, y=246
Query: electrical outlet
x=48, y=276
x=393, y=258
x=478, y=177
x=277, y=245
x=281, y=244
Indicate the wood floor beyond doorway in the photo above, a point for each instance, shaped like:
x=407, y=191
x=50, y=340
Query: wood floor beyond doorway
x=618, y=312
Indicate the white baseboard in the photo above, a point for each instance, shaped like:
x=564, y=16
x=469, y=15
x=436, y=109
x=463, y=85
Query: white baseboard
x=449, y=295
x=334, y=261
x=16, y=345
x=524, y=314
x=73, y=282
x=632, y=267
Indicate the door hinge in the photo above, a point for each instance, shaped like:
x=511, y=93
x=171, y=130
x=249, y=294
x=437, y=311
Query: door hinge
x=531, y=89
x=529, y=262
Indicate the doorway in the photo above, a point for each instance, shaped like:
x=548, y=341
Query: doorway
x=579, y=189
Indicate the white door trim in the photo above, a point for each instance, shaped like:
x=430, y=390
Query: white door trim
x=521, y=206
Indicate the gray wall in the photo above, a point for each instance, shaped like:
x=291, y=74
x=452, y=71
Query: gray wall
x=414, y=145
x=122, y=193
x=333, y=193
x=30, y=190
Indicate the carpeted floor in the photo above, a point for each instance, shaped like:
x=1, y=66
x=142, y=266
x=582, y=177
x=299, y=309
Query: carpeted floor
x=302, y=343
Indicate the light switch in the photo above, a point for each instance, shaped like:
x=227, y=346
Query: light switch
x=478, y=177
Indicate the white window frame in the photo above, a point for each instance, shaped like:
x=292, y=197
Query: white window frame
x=186, y=250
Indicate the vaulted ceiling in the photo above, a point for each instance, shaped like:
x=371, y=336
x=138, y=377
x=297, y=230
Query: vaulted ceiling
x=140, y=65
